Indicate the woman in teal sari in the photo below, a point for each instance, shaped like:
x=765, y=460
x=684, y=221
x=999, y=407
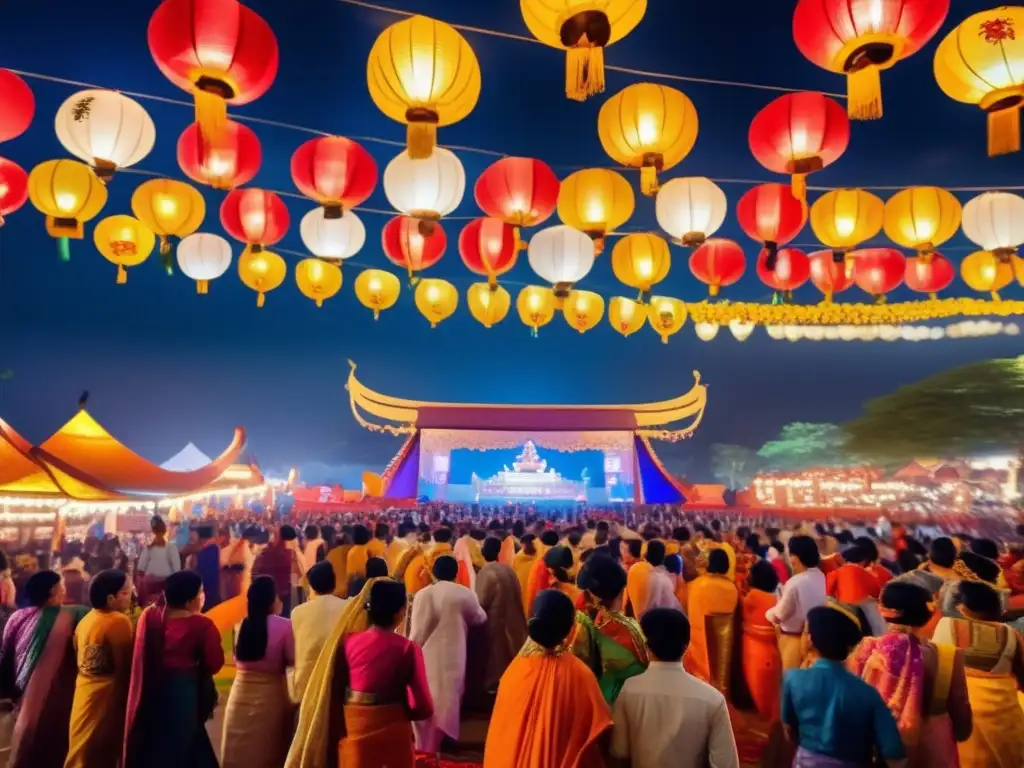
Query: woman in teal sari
x=609, y=642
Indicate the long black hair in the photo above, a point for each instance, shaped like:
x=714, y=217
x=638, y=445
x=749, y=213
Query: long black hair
x=252, y=636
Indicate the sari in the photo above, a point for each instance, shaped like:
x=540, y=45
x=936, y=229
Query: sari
x=522, y=564
x=712, y=602
x=638, y=588
x=762, y=663
x=611, y=645
x=338, y=558
x=355, y=562
x=420, y=572
x=549, y=713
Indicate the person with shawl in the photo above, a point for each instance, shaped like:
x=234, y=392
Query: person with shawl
x=712, y=603
x=610, y=643
x=522, y=564
x=994, y=660
x=158, y=561
x=337, y=556
x=420, y=572
x=497, y=588
x=355, y=563
x=549, y=712
x=762, y=663
x=552, y=572
x=103, y=646
x=177, y=652
x=38, y=670
x=366, y=689
x=923, y=684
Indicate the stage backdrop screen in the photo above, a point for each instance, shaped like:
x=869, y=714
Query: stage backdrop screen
x=492, y=467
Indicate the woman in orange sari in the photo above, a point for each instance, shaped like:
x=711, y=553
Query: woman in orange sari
x=762, y=664
x=552, y=572
x=712, y=601
x=549, y=712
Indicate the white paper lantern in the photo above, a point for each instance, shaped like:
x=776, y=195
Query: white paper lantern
x=1011, y=329
x=794, y=333
x=329, y=238
x=936, y=333
x=831, y=333
x=814, y=333
x=776, y=332
x=204, y=257
x=562, y=256
x=690, y=209
x=106, y=129
x=995, y=221
x=425, y=189
x=740, y=330
x=848, y=333
x=706, y=331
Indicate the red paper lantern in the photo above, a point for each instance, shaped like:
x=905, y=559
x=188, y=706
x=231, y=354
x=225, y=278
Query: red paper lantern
x=220, y=51
x=488, y=246
x=718, y=262
x=336, y=172
x=828, y=275
x=17, y=105
x=772, y=215
x=520, y=191
x=799, y=133
x=878, y=270
x=859, y=38
x=254, y=216
x=233, y=160
x=13, y=187
x=929, y=273
x=412, y=243
x=792, y=269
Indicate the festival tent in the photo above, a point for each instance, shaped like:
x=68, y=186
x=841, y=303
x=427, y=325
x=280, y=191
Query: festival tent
x=188, y=459
x=20, y=474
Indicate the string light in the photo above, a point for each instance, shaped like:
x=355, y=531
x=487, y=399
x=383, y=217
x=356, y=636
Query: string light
x=966, y=329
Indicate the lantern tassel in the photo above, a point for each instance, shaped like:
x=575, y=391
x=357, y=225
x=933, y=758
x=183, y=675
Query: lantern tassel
x=995, y=296
x=319, y=303
x=649, y=180
x=261, y=299
x=713, y=289
x=201, y=287
x=376, y=314
x=421, y=138
x=166, y=254
x=520, y=243
x=122, y=275
x=584, y=70
x=64, y=249
x=211, y=114
x=1004, y=131
x=664, y=339
x=798, y=186
x=864, y=93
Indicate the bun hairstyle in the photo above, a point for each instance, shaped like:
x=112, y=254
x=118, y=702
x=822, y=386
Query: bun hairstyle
x=906, y=603
x=602, y=577
x=387, y=598
x=553, y=618
x=559, y=560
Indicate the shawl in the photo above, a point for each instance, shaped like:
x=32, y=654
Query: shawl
x=894, y=665
x=25, y=639
x=146, y=662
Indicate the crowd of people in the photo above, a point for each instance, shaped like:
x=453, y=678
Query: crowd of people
x=655, y=641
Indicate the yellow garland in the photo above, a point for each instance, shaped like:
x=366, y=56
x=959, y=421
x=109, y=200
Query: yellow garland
x=851, y=314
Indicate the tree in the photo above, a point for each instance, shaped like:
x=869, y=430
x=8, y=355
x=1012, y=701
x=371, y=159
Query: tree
x=805, y=444
x=734, y=465
x=973, y=409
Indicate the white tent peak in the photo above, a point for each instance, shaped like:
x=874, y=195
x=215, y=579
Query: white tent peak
x=188, y=459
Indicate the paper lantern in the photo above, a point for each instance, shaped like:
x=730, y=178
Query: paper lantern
x=69, y=194
x=520, y=191
x=562, y=256
x=641, y=261
x=488, y=247
x=791, y=269
x=583, y=310
x=859, y=38
x=921, y=218
x=377, y=290
x=995, y=221
x=408, y=244
x=423, y=73
x=798, y=134
x=332, y=238
x=106, y=129
x=124, y=241
x=878, y=270
x=979, y=62
x=985, y=272
x=740, y=330
x=650, y=127
x=231, y=161
x=844, y=218
x=220, y=51
x=595, y=201
x=626, y=316
x=690, y=209
x=13, y=187
x=254, y=216
x=318, y=280
x=536, y=307
x=582, y=28
x=929, y=273
x=706, y=331
x=425, y=189
x=436, y=300
x=203, y=257
x=262, y=271
x=169, y=209
x=829, y=276
x=17, y=105
x=772, y=215
x=666, y=315
x=334, y=171
x=488, y=304
x=718, y=262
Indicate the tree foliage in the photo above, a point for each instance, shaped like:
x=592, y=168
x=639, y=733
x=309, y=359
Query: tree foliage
x=734, y=465
x=805, y=444
x=973, y=409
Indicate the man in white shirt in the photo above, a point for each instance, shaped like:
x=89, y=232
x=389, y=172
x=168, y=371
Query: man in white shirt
x=806, y=590
x=313, y=622
x=661, y=590
x=666, y=717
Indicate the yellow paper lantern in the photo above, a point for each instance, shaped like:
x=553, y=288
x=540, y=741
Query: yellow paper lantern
x=436, y=299
x=980, y=63
x=423, y=73
x=262, y=271
x=986, y=272
x=640, y=261
x=582, y=28
x=595, y=201
x=377, y=290
x=69, y=194
x=170, y=209
x=488, y=304
x=536, y=306
x=626, y=316
x=922, y=218
x=124, y=241
x=650, y=127
x=318, y=280
x=667, y=316
x=844, y=218
x=583, y=310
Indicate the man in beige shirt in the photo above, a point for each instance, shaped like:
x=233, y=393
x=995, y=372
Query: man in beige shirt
x=313, y=622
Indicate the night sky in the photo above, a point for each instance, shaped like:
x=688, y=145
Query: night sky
x=165, y=366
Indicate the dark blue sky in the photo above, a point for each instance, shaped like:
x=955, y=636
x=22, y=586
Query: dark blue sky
x=165, y=366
